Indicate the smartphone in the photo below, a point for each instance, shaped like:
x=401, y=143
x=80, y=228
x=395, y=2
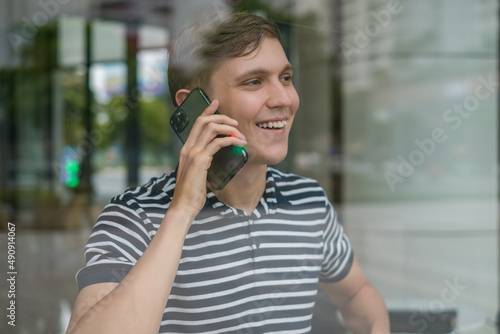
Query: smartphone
x=228, y=160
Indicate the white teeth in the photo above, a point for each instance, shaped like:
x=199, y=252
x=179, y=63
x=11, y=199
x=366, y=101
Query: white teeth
x=272, y=125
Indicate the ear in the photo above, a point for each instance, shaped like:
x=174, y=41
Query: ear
x=181, y=95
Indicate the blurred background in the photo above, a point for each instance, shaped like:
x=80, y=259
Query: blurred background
x=398, y=121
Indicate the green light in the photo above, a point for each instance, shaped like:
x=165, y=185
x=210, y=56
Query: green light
x=72, y=166
x=72, y=181
x=72, y=169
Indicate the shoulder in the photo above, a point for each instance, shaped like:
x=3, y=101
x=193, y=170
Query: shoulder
x=298, y=189
x=136, y=213
x=145, y=204
x=284, y=179
x=158, y=190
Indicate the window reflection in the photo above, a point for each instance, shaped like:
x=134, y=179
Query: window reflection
x=108, y=41
x=156, y=154
x=108, y=82
x=398, y=121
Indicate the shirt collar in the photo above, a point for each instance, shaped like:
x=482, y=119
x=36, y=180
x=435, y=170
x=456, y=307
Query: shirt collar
x=268, y=203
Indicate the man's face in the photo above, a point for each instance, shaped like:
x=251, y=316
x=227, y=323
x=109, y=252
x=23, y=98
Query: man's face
x=257, y=91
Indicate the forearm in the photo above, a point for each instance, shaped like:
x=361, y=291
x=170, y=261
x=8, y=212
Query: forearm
x=136, y=305
x=366, y=312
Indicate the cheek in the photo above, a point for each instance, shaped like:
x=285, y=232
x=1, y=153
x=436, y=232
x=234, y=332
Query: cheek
x=244, y=110
x=296, y=101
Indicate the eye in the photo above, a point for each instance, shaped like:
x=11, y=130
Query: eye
x=253, y=82
x=286, y=78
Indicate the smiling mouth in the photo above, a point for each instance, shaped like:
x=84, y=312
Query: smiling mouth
x=272, y=125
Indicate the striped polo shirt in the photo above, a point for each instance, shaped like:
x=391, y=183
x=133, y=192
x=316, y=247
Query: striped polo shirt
x=238, y=273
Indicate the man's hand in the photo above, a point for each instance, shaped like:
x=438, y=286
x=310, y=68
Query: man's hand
x=209, y=134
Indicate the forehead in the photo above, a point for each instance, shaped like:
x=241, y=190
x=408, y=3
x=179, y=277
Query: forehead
x=269, y=57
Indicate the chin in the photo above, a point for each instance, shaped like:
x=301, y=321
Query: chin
x=276, y=158
x=270, y=155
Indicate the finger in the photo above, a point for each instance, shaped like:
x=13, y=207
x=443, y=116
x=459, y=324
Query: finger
x=208, y=145
x=198, y=159
x=219, y=134
x=211, y=109
x=202, y=120
x=215, y=145
x=209, y=127
x=215, y=117
x=214, y=130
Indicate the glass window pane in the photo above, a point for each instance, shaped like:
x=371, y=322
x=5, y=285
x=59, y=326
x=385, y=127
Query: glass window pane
x=420, y=134
x=153, y=37
x=398, y=122
x=108, y=41
x=108, y=83
x=71, y=35
x=156, y=153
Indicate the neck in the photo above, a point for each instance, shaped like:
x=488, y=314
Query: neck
x=245, y=190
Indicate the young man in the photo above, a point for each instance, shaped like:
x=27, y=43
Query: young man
x=175, y=256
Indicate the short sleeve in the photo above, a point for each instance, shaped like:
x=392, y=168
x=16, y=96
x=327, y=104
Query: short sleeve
x=337, y=252
x=117, y=241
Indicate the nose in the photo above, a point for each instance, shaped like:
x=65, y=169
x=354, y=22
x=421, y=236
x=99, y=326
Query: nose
x=280, y=95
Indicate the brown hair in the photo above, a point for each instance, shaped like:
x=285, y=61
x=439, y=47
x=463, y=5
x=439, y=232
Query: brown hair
x=199, y=48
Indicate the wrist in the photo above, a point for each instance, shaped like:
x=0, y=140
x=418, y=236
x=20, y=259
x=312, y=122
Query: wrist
x=180, y=216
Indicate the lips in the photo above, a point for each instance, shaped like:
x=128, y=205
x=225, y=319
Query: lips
x=272, y=125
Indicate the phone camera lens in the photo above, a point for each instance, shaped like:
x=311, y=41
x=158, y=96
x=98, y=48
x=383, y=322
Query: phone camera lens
x=179, y=120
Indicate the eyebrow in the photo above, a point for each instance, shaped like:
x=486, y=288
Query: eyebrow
x=261, y=71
